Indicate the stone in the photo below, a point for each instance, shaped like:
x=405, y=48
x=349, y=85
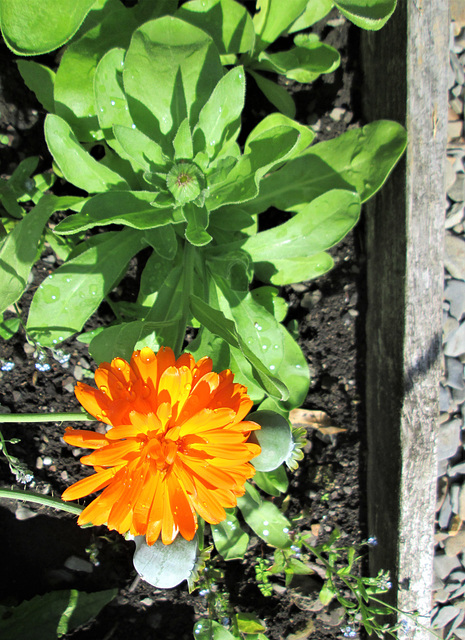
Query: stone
x=454, y=259
x=455, y=544
x=454, y=129
x=443, y=565
x=455, y=295
x=78, y=564
x=449, y=439
x=23, y=513
x=454, y=373
x=445, y=397
x=455, y=344
x=337, y=113
x=445, y=513
x=454, y=215
x=449, y=326
x=457, y=191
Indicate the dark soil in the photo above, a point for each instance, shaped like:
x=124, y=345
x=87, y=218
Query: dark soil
x=325, y=491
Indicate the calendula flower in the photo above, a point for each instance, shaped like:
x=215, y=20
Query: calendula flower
x=177, y=445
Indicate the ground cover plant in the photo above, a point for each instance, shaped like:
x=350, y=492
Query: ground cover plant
x=145, y=124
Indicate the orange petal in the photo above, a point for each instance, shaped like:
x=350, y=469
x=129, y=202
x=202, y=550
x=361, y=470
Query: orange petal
x=93, y=401
x=207, y=419
x=88, y=485
x=85, y=439
x=112, y=454
x=181, y=507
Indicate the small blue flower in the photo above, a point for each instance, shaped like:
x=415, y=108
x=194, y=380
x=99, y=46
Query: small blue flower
x=372, y=541
x=7, y=366
x=349, y=632
x=42, y=367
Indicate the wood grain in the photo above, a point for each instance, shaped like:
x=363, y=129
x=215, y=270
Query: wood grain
x=405, y=68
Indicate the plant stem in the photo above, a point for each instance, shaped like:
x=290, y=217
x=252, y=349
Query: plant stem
x=46, y=417
x=48, y=501
x=188, y=272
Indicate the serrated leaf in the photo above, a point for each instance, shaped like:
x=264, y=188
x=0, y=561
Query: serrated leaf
x=367, y=14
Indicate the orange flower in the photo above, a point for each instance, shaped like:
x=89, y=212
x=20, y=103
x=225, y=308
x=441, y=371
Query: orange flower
x=177, y=445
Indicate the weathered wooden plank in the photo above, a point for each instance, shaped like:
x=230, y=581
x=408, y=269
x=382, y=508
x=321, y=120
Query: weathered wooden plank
x=405, y=67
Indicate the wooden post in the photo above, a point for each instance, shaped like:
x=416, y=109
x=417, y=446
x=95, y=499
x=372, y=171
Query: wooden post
x=405, y=69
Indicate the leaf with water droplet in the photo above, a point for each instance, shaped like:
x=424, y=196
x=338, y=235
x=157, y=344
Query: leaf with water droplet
x=229, y=538
x=94, y=273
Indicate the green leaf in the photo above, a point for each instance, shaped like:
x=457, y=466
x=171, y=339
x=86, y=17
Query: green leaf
x=122, y=339
x=303, y=63
x=110, y=101
x=53, y=614
x=132, y=208
x=163, y=240
x=147, y=153
x=264, y=151
x=273, y=482
x=74, y=82
x=39, y=26
x=277, y=95
x=314, y=11
x=165, y=565
x=9, y=327
x=221, y=111
x=306, y=134
x=326, y=594
x=275, y=17
x=367, y=14
x=215, y=321
x=182, y=143
x=265, y=519
x=168, y=56
x=68, y=297
x=226, y=21
x=269, y=298
x=76, y=164
x=249, y=623
x=40, y=80
x=230, y=540
x=206, y=629
x=274, y=438
x=19, y=250
x=358, y=160
x=317, y=227
x=197, y=223
x=293, y=371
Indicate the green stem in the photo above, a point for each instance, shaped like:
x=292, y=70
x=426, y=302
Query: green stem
x=188, y=273
x=46, y=417
x=47, y=501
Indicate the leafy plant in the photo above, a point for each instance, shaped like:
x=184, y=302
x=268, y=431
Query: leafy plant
x=246, y=40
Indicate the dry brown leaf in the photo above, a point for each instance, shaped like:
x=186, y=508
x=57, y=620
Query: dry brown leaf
x=314, y=420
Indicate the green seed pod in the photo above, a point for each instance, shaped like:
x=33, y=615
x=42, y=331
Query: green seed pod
x=274, y=437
